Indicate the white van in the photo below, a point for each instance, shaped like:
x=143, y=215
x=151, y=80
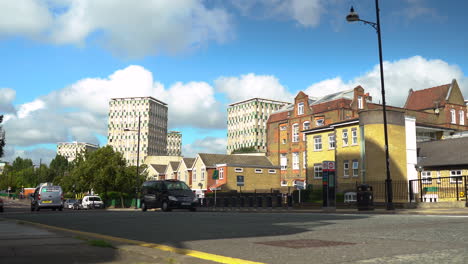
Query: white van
x=47, y=196
x=92, y=201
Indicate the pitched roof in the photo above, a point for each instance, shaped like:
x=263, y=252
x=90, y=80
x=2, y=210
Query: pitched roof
x=275, y=117
x=427, y=98
x=174, y=164
x=347, y=94
x=159, y=167
x=211, y=160
x=330, y=105
x=189, y=162
x=448, y=152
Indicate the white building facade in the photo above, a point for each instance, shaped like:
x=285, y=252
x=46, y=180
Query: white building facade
x=124, y=124
x=174, y=143
x=246, y=124
x=71, y=150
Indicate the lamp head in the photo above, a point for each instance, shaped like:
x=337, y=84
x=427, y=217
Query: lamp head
x=352, y=16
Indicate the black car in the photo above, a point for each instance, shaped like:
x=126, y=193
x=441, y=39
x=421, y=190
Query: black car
x=167, y=195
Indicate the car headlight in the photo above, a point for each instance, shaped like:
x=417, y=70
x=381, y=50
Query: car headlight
x=195, y=199
x=172, y=198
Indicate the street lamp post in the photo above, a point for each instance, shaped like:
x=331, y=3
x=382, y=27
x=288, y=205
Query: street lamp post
x=138, y=161
x=353, y=17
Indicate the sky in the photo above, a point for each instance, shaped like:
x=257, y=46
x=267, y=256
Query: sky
x=62, y=60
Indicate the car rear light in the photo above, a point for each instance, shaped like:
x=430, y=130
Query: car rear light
x=61, y=197
x=38, y=196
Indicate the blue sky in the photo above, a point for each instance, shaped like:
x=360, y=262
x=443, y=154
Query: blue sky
x=61, y=60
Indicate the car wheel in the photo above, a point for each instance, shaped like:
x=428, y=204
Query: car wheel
x=60, y=208
x=143, y=207
x=32, y=208
x=165, y=206
x=37, y=208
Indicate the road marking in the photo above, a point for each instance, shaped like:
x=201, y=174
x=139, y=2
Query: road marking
x=181, y=251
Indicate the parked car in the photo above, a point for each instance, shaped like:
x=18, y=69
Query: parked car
x=68, y=203
x=1, y=205
x=77, y=205
x=47, y=196
x=92, y=201
x=167, y=195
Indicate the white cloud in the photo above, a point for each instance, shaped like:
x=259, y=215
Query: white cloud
x=305, y=12
x=250, y=86
x=134, y=30
x=205, y=145
x=26, y=109
x=414, y=72
x=37, y=155
x=7, y=96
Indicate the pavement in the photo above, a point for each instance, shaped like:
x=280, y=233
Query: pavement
x=25, y=242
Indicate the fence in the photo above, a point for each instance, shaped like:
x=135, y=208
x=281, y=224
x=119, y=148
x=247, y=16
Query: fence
x=440, y=189
x=258, y=199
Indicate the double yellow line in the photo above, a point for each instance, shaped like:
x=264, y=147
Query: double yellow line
x=181, y=251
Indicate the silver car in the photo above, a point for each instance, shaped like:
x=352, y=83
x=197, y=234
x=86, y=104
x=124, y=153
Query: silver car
x=68, y=204
x=47, y=196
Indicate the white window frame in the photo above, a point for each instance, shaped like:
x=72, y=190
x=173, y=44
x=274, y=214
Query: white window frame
x=194, y=175
x=461, y=115
x=271, y=171
x=453, y=116
x=258, y=171
x=284, y=161
x=202, y=174
x=331, y=141
x=360, y=102
x=239, y=169
x=355, y=168
x=284, y=141
x=318, y=171
x=282, y=128
x=284, y=183
x=344, y=136
x=456, y=173
x=317, y=143
x=319, y=122
x=354, y=138
x=295, y=132
x=300, y=108
x=295, y=160
x=221, y=173
x=426, y=177
x=345, y=169
x=304, y=159
x=304, y=127
x=438, y=177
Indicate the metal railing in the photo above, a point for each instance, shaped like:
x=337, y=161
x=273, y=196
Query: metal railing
x=439, y=189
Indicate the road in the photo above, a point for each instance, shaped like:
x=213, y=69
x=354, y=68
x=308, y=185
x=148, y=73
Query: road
x=279, y=237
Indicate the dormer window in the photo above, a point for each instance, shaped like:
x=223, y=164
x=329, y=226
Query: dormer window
x=300, y=108
x=319, y=122
x=360, y=102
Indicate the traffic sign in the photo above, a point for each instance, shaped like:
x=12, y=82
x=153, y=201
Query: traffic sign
x=299, y=185
x=240, y=180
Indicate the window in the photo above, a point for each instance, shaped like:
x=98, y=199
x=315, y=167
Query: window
x=284, y=183
x=271, y=171
x=258, y=171
x=284, y=161
x=238, y=169
x=456, y=174
x=295, y=133
x=346, y=169
x=202, y=174
x=284, y=141
x=426, y=177
x=318, y=172
x=355, y=168
x=305, y=126
x=331, y=141
x=318, y=143
x=461, y=117
x=194, y=175
x=345, y=137
x=221, y=173
x=283, y=128
x=319, y=122
x=438, y=177
x=454, y=118
x=300, y=108
x=354, y=136
x=295, y=160
x=359, y=102
x=304, y=159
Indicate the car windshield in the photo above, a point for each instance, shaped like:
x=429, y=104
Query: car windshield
x=94, y=199
x=177, y=186
x=71, y=200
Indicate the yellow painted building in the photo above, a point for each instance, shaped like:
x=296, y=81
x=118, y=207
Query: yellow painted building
x=357, y=147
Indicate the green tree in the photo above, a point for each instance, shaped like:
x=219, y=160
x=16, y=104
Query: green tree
x=59, y=169
x=245, y=150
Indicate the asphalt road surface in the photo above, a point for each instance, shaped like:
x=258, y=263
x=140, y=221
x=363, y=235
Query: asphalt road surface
x=279, y=237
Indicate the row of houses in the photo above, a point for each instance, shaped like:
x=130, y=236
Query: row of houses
x=344, y=127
